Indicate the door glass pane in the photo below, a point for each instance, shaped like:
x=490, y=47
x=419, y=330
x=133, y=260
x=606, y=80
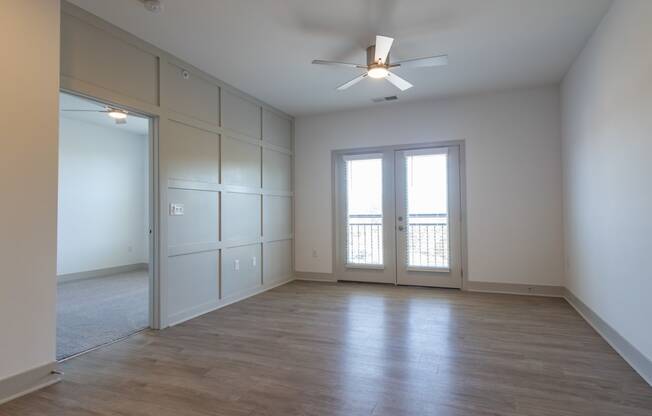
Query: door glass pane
x=364, y=211
x=427, y=210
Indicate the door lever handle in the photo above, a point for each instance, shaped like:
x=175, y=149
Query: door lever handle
x=401, y=228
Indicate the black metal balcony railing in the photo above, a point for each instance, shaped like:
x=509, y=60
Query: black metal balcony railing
x=427, y=240
x=365, y=240
x=427, y=244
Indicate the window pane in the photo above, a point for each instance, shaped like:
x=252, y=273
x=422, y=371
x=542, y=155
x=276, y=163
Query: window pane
x=364, y=211
x=427, y=206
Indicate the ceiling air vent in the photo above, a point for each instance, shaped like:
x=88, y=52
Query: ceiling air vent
x=382, y=99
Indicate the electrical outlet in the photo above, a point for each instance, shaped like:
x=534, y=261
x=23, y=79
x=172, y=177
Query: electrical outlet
x=130, y=249
x=236, y=265
x=314, y=253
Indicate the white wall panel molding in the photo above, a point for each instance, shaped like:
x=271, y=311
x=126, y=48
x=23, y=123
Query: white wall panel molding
x=189, y=93
x=216, y=187
x=277, y=170
x=218, y=150
x=185, y=249
x=276, y=148
x=118, y=64
x=240, y=163
x=241, y=270
x=198, y=310
x=234, y=134
x=88, y=18
x=241, y=115
x=277, y=216
x=277, y=130
x=93, y=91
x=182, y=250
x=287, y=237
x=277, y=261
x=183, y=119
x=196, y=152
x=195, y=185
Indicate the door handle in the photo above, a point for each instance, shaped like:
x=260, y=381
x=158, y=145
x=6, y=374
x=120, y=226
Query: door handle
x=401, y=228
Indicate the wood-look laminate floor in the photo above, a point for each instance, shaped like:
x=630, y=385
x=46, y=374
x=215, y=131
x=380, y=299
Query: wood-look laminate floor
x=354, y=349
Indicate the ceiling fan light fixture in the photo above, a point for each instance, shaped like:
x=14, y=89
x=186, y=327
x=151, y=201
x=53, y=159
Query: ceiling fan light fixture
x=378, y=72
x=378, y=65
x=117, y=114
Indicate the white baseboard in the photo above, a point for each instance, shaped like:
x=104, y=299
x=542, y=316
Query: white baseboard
x=635, y=358
x=109, y=271
x=196, y=311
x=315, y=277
x=28, y=381
x=471, y=286
x=514, y=289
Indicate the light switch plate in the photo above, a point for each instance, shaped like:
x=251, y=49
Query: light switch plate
x=236, y=264
x=253, y=261
x=176, y=209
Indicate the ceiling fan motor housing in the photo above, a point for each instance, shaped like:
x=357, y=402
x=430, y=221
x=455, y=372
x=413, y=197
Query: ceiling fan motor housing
x=371, y=53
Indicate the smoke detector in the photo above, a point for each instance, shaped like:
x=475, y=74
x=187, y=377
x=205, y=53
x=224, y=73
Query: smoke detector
x=154, y=6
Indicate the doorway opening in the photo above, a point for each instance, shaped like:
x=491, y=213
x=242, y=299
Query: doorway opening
x=104, y=238
x=399, y=215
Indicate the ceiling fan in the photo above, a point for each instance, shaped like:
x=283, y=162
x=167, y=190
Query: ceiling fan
x=378, y=64
x=120, y=116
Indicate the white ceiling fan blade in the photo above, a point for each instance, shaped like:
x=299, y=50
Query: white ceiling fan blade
x=383, y=45
x=398, y=82
x=423, y=62
x=352, y=82
x=335, y=63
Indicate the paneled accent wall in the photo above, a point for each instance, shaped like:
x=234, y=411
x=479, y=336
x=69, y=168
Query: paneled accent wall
x=221, y=154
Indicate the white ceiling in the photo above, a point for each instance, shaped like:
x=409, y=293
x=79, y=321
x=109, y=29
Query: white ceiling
x=135, y=124
x=265, y=47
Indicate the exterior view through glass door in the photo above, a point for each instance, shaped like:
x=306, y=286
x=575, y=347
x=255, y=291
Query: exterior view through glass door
x=399, y=217
x=428, y=217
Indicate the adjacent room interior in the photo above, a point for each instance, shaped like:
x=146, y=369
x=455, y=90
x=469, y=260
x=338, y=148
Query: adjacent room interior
x=103, y=226
x=352, y=207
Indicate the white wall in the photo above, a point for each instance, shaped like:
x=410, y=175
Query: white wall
x=103, y=197
x=29, y=82
x=607, y=143
x=513, y=158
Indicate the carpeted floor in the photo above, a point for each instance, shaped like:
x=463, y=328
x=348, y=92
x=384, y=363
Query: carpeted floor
x=92, y=312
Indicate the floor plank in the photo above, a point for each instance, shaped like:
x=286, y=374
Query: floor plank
x=356, y=349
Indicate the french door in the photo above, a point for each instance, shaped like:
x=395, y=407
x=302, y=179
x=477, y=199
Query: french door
x=398, y=214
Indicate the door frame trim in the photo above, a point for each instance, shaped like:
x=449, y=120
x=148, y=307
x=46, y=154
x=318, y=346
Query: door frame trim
x=337, y=153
